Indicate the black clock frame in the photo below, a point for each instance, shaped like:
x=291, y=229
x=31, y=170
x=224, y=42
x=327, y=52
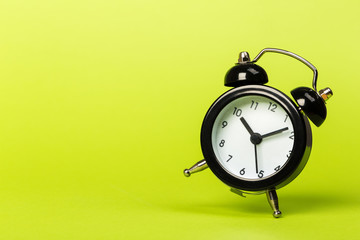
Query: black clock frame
x=297, y=159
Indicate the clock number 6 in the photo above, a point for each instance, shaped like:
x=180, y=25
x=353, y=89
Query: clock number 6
x=242, y=171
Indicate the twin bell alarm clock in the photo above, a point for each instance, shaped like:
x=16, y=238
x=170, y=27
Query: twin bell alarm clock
x=254, y=137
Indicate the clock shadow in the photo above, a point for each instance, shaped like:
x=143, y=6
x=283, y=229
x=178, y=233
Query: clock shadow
x=313, y=202
x=290, y=204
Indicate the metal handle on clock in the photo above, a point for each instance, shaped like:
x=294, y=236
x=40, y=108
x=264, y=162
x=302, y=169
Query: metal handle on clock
x=293, y=55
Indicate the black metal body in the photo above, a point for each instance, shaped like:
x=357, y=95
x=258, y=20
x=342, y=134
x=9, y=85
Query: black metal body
x=298, y=157
x=311, y=103
x=245, y=74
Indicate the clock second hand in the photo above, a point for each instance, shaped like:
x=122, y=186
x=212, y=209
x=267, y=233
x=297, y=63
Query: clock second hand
x=256, y=162
x=255, y=138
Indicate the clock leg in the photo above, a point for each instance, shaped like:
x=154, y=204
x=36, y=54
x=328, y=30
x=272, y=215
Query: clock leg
x=238, y=192
x=274, y=202
x=199, y=166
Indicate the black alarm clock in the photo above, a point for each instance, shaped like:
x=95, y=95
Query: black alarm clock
x=254, y=137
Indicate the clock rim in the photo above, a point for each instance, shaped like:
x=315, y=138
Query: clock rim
x=298, y=157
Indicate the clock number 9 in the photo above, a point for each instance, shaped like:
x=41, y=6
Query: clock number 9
x=224, y=124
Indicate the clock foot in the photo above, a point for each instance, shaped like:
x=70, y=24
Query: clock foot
x=274, y=202
x=199, y=166
x=238, y=192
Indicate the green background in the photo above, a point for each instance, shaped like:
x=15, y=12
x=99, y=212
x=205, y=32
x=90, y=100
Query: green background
x=101, y=105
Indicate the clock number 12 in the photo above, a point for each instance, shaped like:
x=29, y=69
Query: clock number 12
x=272, y=106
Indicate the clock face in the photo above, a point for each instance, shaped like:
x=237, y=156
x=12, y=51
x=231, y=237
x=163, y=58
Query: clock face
x=255, y=138
x=252, y=137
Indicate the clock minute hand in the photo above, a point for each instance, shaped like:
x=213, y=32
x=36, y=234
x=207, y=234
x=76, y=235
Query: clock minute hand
x=274, y=132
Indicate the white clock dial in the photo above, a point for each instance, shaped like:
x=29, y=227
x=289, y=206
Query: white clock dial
x=253, y=137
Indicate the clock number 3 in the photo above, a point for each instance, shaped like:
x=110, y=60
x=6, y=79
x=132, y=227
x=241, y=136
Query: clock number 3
x=288, y=155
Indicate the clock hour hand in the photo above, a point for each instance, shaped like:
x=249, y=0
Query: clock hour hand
x=274, y=132
x=246, y=125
